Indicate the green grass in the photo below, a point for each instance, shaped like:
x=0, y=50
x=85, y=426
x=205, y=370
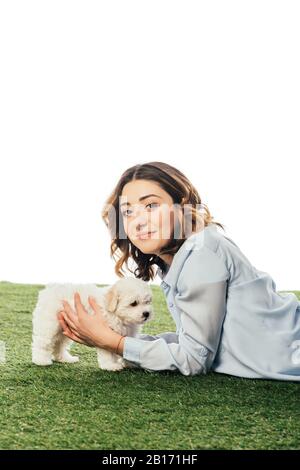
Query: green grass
x=78, y=406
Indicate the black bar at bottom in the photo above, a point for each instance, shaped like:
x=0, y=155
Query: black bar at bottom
x=136, y=458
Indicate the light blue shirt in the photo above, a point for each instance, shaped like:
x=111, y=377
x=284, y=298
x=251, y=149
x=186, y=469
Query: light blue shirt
x=229, y=317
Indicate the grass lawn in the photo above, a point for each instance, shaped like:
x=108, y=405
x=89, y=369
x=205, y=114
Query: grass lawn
x=78, y=406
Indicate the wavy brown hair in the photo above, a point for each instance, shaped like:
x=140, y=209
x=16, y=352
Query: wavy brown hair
x=183, y=193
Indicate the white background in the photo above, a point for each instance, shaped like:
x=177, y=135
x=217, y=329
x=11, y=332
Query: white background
x=89, y=88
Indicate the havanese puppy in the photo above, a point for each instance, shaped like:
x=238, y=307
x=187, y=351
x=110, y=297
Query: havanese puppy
x=126, y=305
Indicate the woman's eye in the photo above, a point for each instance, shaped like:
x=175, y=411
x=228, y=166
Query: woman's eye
x=153, y=204
x=125, y=213
x=128, y=212
x=134, y=304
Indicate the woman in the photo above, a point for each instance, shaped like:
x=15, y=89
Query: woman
x=228, y=315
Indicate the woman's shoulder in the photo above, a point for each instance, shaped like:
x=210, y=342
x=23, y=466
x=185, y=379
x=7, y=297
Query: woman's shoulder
x=198, y=259
x=237, y=264
x=205, y=262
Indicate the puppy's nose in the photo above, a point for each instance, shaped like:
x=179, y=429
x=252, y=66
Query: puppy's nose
x=146, y=314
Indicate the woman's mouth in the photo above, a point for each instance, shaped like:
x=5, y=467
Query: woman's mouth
x=144, y=236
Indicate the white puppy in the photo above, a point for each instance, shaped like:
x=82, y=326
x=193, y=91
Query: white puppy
x=127, y=305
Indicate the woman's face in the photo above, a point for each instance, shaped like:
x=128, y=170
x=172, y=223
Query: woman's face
x=146, y=207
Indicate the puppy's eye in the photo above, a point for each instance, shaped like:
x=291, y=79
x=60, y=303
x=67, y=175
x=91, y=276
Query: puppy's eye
x=134, y=304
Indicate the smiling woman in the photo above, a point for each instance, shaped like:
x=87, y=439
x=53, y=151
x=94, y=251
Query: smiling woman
x=150, y=213
x=157, y=208
x=150, y=223
x=229, y=317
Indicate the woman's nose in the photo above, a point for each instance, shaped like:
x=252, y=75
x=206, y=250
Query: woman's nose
x=140, y=223
x=141, y=217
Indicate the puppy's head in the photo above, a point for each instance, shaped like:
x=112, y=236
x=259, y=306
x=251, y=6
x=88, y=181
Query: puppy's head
x=130, y=299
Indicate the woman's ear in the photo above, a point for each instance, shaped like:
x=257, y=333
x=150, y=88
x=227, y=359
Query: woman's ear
x=111, y=299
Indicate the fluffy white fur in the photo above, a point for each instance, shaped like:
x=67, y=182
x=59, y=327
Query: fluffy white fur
x=119, y=310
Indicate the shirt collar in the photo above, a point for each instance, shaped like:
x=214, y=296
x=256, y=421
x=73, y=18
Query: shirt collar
x=193, y=242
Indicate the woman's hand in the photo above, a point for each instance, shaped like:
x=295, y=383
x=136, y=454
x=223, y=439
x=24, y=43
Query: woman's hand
x=91, y=330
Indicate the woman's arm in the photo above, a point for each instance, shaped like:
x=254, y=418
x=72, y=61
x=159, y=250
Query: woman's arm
x=169, y=336
x=93, y=330
x=201, y=304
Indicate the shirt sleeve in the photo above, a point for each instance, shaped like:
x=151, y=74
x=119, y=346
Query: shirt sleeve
x=169, y=336
x=201, y=303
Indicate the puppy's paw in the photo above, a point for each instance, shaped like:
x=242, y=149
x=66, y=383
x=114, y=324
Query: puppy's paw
x=109, y=361
x=67, y=358
x=113, y=367
x=42, y=362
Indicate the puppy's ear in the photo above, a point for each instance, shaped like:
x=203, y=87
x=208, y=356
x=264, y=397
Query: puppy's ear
x=111, y=299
